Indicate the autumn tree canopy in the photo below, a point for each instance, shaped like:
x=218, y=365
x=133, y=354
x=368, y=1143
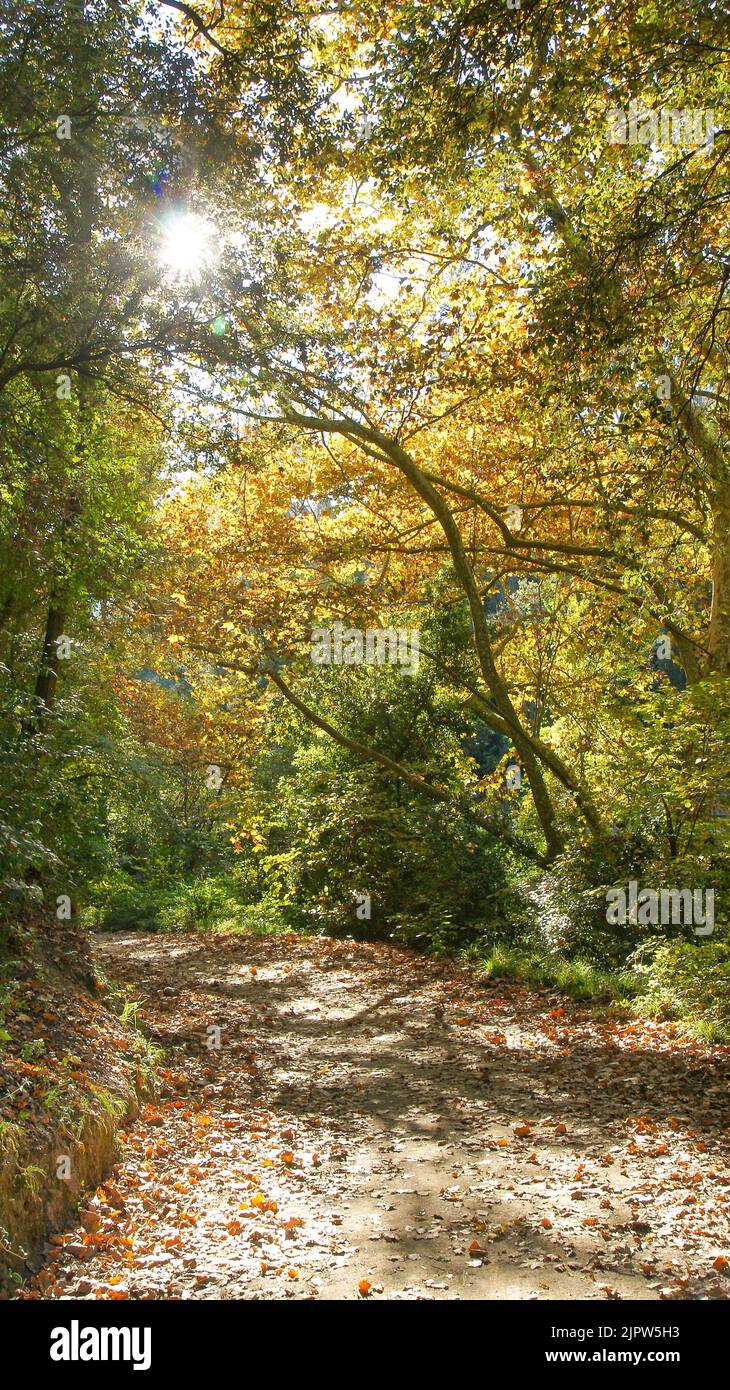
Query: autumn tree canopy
x=398, y=317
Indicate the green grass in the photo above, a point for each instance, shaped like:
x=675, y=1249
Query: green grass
x=31, y=1177
x=256, y=919
x=579, y=978
x=120, y=1000
x=11, y=1138
x=115, y=1106
x=698, y=1001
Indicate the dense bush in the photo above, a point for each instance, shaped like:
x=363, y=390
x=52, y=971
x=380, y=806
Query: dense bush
x=689, y=980
x=220, y=903
x=351, y=851
x=54, y=789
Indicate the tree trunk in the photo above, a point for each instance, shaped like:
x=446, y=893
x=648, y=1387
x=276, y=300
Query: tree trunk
x=718, y=638
x=47, y=679
x=542, y=800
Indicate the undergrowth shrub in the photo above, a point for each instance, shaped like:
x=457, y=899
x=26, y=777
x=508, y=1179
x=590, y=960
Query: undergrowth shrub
x=218, y=903
x=689, y=980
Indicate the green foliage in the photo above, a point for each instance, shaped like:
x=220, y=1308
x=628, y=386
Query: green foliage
x=689, y=981
x=219, y=903
x=119, y=904
x=53, y=798
x=578, y=977
x=336, y=833
x=567, y=905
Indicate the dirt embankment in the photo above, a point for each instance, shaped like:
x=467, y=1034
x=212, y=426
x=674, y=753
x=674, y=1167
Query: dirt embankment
x=72, y=1070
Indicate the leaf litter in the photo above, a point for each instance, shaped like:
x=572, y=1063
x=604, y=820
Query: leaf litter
x=377, y=1124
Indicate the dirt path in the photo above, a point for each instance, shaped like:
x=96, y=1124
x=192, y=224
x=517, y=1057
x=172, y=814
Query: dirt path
x=379, y=1125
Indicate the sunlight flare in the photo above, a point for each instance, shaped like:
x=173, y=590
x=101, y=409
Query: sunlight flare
x=187, y=246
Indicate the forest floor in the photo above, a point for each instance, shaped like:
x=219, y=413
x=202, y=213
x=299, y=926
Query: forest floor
x=376, y=1124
